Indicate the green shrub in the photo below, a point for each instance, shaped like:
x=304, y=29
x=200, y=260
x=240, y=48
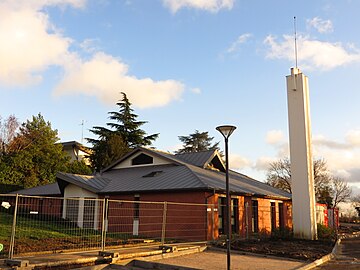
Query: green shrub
x=282, y=233
x=325, y=233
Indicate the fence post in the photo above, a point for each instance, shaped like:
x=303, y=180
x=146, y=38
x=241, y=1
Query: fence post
x=13, y=229
x=104, y=224
x=163, y=230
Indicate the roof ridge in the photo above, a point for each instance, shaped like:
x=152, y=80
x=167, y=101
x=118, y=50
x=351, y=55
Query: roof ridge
x=196, y=152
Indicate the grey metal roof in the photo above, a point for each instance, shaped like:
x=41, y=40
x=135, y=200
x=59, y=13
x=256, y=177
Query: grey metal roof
x=168, y=177
x=45, y=190
x=238, y=183
x=94, y=183
x=179, y=175
x=199, y=159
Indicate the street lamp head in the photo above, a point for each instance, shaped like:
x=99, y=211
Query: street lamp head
x=226, y=130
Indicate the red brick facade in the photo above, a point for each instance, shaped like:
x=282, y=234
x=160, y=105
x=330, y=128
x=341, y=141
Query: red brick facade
x=196, y=215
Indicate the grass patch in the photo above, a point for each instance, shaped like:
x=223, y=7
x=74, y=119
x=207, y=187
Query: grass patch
x=36, y=229
x=5, y=225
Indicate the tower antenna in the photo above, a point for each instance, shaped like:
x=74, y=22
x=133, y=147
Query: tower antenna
x=82, y=131
x=295, y=39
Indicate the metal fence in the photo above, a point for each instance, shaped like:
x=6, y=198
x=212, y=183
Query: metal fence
x=31, y=224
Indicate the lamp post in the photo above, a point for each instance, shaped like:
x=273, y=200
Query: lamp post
x=226, y=131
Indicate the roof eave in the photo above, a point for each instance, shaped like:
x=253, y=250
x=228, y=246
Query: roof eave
x=69, y=180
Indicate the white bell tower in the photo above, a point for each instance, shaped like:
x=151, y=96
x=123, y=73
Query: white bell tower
x=302, y=173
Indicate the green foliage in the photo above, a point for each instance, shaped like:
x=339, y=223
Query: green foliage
x=107, y=150
x=127, y=126
x=78, y=167
x=282, y=233
x=35, y=157
x=124, y=134
x=325, y=233
x=324, y=195
x=197, y=142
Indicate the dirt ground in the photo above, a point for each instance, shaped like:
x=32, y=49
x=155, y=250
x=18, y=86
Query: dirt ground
x=304, y=250
x=295, y=249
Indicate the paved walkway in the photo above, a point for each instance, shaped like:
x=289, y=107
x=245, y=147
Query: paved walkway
x=209, y=259
x=347, y=256
x=216, y=260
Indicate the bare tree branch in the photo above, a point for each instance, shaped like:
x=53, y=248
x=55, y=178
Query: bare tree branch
x=341, y=191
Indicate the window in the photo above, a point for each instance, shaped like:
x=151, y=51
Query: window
x=254, y=216
x=89, y=213
x=72, y=209
x=221, y=213
x=153, y=174
x=235, y=215
x=281, y=216
x=234, y=210
x=136, y=207
x=273, y=216
x=142, y=159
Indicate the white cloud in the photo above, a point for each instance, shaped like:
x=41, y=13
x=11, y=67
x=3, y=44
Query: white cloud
x=89, y=45
x=29, y=45
x=240, y=40
x=196, y=90
x=174, y=148
x=322, y=26
x=39, y=4
x=262, y=163
x=322, y=141
x=342, y=173
x=237, y=162
x=312, y=54
x=343, y=158
x=104, y=77
x=208, y=5
x=353, y=137
x=274, y=137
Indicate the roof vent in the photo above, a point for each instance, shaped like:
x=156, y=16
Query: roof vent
x=153, y=174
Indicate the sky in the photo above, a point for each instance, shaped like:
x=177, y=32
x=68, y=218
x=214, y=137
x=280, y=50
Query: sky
x=188, y=65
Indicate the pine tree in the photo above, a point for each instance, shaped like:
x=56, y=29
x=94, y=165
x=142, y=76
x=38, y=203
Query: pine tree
x=123, y=135
x=196, y=142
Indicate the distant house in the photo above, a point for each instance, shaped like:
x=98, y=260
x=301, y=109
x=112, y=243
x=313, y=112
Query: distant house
x=77, y=151
x=196, y=178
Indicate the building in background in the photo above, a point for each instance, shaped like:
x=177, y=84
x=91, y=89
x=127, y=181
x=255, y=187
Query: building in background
x=77, y=151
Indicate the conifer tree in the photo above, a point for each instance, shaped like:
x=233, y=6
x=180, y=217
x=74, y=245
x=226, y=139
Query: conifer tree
x=196, y=142
x=124, y=133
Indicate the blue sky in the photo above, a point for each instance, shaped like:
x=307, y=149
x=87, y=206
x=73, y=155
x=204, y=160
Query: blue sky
x=188, y=65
